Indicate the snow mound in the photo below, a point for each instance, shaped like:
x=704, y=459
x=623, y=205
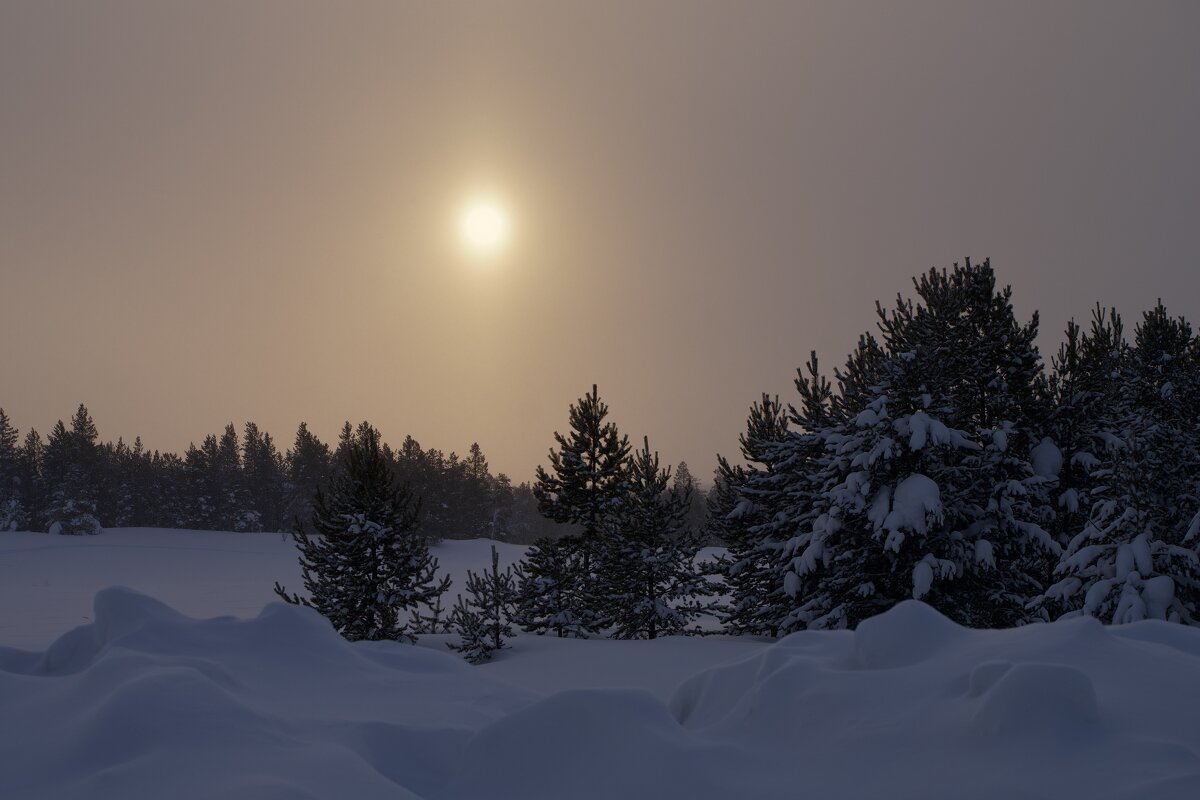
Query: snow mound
x=906, y=634
x=1035, y=700
x=145, y=702
x=596, y=744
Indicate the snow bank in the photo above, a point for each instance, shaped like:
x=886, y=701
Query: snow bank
x=911, y=705
x=143, y=701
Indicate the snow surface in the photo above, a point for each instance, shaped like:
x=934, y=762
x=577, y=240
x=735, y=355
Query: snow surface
x=142, y=701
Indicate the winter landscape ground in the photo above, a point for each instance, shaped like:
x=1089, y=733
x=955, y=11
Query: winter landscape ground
x=191, y=682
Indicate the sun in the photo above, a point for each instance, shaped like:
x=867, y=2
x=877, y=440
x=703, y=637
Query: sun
x=483, y=227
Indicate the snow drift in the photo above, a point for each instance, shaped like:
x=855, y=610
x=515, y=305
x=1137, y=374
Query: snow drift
x=146, y=702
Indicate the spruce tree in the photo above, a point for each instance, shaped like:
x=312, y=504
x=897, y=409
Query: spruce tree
x=484, y=620
x=367, y=568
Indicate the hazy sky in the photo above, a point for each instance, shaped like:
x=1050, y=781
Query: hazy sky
x=216, y=211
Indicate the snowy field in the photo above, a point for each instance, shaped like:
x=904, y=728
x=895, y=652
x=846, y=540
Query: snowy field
x=185, y=686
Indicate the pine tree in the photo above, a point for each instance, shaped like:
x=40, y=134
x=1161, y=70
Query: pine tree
x=434, y=622
x=648, y=574
x=70, y=471
x=308, y=465
x=12, y=511
x=548, y=593
x=686, y=484
x=587, y=472
x=929, y=489
x=739, y=505
x=233, y=507
x=198, y=508
x=584, y=487
x=33, y=490
x=367, y=569
x=263, y=480
x=477, y=504
x=484, y=620
x=1138, y=554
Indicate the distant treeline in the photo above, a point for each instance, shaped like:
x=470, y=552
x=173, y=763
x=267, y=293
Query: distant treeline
x=71, y=482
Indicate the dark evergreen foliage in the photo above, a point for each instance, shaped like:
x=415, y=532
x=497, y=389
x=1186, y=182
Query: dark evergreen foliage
x=366, y=569
x=586, y=486
x=586, y=480
x=238, y=483
x=947, y=466
x=648, y=576
x=548, y=596
x=737, y=510
x=12, y=509
x=69, y=462
x=1135, y=556
x=484, y=620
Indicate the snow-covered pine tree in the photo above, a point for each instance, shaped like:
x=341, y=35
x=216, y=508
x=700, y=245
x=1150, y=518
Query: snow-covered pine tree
x=933, y=495
x=1081, y=390
x=795, y=487
x=367, y=569
x=584, y=487
x=548, y=591
x=12, y=511
x=1138, y=554
x=484, y=620
x=743, y=499
x=649, y=579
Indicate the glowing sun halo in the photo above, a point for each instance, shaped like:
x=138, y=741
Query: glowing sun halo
x=483, y=227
